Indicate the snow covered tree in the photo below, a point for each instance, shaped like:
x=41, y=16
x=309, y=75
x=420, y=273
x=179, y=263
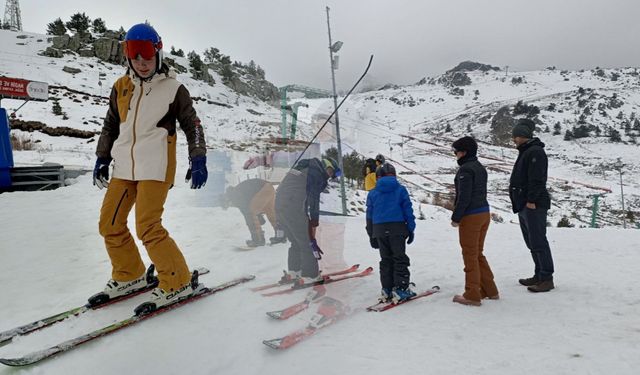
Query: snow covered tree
x=568, y=135
x=99, y=26
x=211, y=54
x=260, y=72
x=179, y=52
x=227, y=73
x=557, y=128
x=195, y=61
x=56, y=28
x=614, y=136
x=79, y=23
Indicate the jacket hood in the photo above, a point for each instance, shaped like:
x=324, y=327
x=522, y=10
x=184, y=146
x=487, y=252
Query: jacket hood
x=465, y=159
x=387, y=183
x=531, y=142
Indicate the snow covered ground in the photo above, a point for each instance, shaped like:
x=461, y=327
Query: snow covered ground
x=53, y=259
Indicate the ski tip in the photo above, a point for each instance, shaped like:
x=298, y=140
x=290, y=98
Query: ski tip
x=273, y=344
x=202, y=270
x=435, y=288
x=15, y=362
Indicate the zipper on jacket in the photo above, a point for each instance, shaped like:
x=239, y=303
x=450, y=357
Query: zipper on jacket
x=135, y=119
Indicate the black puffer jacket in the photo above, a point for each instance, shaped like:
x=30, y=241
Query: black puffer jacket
x=471, y=187
x=529, y=177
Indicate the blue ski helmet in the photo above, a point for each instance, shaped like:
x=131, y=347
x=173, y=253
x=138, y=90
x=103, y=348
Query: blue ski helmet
x=143, y=32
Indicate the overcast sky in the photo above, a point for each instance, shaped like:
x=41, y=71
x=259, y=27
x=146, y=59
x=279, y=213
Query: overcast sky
x=409, y=39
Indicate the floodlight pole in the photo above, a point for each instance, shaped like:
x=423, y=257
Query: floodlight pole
x=335, y=106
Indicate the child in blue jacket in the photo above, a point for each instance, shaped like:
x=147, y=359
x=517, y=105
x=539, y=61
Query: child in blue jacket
x=390, y=222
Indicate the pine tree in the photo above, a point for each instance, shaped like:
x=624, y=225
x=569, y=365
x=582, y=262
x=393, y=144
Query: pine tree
x=56, y=28
x=195, y=61
x=56, y=109
x=227, y=73
x=568, y=135
x=79, y=23
x=260, y=72
x=614, y=136
x=99, y=26
x=211, y=54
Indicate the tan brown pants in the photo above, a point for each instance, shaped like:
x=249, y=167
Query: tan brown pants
x=478, y=276
x=149, y=198
x=264, y=202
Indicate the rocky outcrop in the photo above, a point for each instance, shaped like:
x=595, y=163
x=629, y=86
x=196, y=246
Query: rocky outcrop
x=31, y=126
x=471, y=66
x=71, y=70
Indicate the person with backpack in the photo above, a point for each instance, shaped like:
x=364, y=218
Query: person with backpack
x=391, y=223
x=471, y=217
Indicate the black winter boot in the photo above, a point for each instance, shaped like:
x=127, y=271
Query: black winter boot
x=542, y=286
x=529, y=282
x=257, y=239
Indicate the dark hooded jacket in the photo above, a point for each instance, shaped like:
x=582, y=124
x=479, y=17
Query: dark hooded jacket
x=471, y=188
x=301, y=188
x=528, y=181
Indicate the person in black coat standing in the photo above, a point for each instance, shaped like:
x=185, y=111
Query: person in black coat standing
x=531, y=201
x=471, y=216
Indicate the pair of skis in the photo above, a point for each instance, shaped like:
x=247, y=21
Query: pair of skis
x=96, y=302
x=295, y=337
x=37, y=356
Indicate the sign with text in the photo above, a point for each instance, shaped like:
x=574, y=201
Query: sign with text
x=14, y=88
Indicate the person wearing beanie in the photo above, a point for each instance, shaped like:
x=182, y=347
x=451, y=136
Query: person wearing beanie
x=531, y=201
x=391, y=223
x=471, y=217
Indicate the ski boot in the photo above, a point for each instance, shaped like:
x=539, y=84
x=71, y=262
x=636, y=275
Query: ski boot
x=329, y=311
x=385, y=295
x=399, y=294
x=118, y=289
x=303, y=280
x=289, y=277
x=257, y=239
x=279, y=237
x=161, y=298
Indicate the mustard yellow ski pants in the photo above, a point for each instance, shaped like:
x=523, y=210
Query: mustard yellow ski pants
x=149, y=198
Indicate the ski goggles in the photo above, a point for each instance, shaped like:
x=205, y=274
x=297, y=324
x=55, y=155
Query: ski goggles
x=143, y=48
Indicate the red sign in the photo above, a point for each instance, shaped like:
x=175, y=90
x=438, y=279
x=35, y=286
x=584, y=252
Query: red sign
x=14, y=88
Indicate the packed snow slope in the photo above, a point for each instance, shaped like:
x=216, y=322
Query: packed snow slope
x=53, y=259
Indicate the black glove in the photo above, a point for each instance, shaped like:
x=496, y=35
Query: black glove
x=410, y=238
x=374, y=242
x=101, y=173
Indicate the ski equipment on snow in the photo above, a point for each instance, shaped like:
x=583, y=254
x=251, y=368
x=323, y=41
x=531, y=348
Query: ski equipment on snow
x=40, y=355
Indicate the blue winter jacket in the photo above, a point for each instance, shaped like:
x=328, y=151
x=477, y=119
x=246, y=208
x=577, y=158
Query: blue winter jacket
x=389, y=203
